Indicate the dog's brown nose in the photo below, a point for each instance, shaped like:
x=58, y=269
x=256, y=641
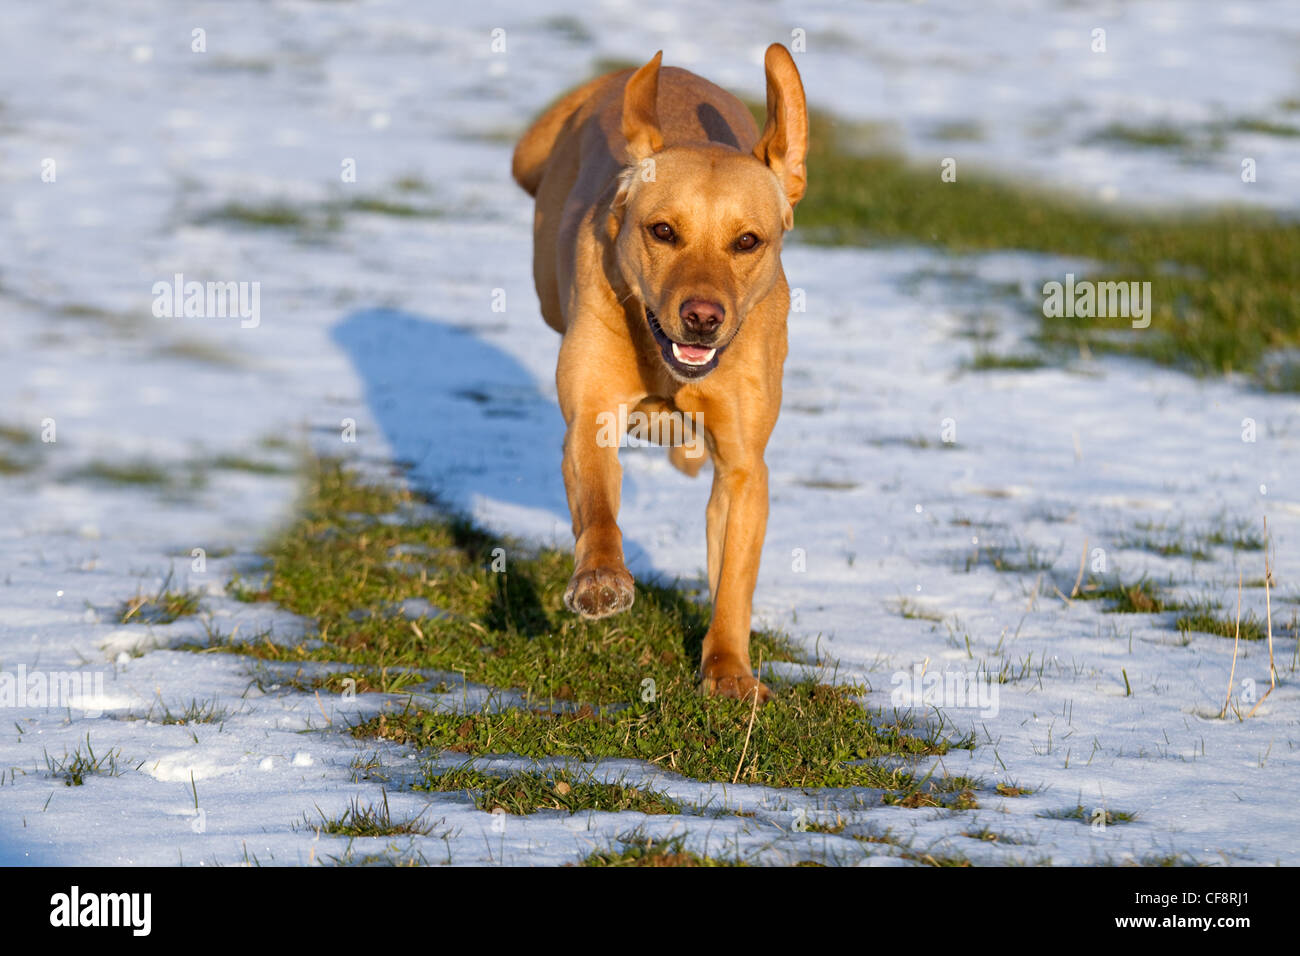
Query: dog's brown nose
x=701, y=317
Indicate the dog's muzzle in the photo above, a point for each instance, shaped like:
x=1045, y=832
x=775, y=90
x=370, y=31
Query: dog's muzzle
x=687, y=362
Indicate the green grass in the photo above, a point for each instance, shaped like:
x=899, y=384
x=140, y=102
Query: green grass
x=949, y=793
x=1198, y=544
x=640, y=850
x=392, y=855
x=15, y=464
x=73, y=768
x=1011, y=362
x=367, y=821
x=1204, y=621
x=1012, y=790
x=254, y=466
x=987, y=834
x=379, y=206
x=809, y=736
x=412, y=183
x=312, y=220
x=140, y=472
x=621, y=688
x=204, y=353
x=919, y=442
x=571, y=28
x=914, y=611
x=1013, y=559
x=1162, y=860
x=527, y=792
x=942, y=860
x=1222, y=282
x=271, y=215
x=195, y=712
x=14, y=435
x=1267, y=127
x=1082, y=814
x=163, y=607
x=1142, y=596
x=1159, y=135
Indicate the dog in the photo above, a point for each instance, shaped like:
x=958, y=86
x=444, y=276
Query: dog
x=659, y=219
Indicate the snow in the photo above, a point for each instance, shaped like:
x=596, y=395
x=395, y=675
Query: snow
x=389, y=322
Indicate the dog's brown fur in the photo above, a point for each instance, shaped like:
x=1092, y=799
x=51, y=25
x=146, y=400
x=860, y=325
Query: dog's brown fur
x=611, y=165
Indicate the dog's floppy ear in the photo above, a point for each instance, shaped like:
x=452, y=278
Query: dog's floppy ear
x=784, y=143
x=641, y=112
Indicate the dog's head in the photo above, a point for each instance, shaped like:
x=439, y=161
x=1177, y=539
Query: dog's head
x=697, y=229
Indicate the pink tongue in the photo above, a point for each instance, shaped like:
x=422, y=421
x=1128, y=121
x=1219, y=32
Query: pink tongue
x=693, y=353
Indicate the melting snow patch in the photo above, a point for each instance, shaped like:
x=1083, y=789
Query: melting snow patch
x=182, y=767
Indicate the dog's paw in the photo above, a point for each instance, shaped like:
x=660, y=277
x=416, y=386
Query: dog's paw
x=730, y=679
x=599, y=592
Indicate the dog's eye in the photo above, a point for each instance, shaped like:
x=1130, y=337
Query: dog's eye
x=747, y=242
x=663, y=232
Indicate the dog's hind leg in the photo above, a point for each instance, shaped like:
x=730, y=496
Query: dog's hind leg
x=688, y=450
x=680, y=458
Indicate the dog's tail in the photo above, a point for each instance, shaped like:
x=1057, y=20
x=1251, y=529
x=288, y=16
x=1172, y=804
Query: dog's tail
x=534, y=148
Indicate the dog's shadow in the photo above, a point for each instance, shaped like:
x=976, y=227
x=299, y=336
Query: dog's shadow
x=467, y=421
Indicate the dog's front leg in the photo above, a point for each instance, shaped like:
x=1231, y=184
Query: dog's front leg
x=601, y=584
x=737, y=524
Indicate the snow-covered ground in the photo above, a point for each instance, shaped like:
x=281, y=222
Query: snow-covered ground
x=389, y=321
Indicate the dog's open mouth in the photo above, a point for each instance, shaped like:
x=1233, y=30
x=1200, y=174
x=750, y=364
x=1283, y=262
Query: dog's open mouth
x=686, y=361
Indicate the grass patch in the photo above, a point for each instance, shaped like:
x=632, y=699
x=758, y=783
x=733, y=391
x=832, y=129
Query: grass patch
x=392, y=855
x=914, y=610
x=195, y=712
x=1142, y=596
x=919, y=442
x=380, y=681
x=1198, y=544
x=950, y=794
x=313, y=220
x=1166, y=860
x=15, y=464
x=163, y=607
x=1204, y=621
x=1082, y=814
x=640, y=850
x=570, y=28
x=987, y=834
x=13, y=435
x=388, y=207
x=1016, y=559
x=1157, y=135
x=938, y=860
x=204, y=353
x=140, y=473
x=1012, y=362
x=809, y=736
x=73, y=768
x=1222, y=282
x=254, y=466
x=368, y=821
x=271, y=215
x=527, y=792
x=622, y=688
x=1267, y=127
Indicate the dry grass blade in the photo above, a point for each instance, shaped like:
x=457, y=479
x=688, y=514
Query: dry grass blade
x=752, y=712
x=1268, y=608
x=1083, y=559
x=1232, y=674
